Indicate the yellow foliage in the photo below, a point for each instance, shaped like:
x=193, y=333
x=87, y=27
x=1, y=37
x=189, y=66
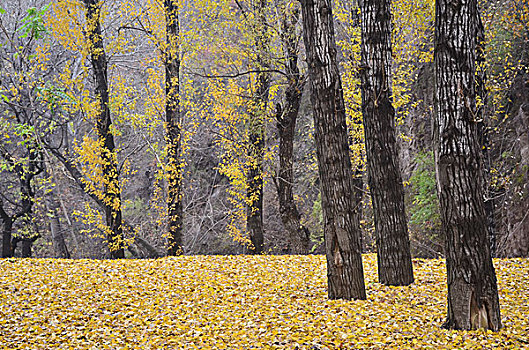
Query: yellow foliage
x=412, y=43
x=237, y=302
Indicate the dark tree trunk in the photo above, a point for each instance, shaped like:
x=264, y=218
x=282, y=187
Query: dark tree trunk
x=340, y=209
x=26, y=248
x=472, y=288
x=299, y=235
x=7, y=230
x=112, y=191
x=173, y=122
x=385, y=180
x=25, y=173
x=254, y=177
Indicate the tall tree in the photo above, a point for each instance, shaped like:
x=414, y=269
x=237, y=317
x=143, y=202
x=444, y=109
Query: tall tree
x=25, y=169
x=385, y=180
x=112, y=192
x=56, y=229
x=340, y=209
x=254, y=176
x=472, y=288
x=7, y=231
x=299, y=235
x=23, y=116
x=173, y=122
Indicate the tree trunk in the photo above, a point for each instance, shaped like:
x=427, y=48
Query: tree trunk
x=76, y=175
x=173, y=121
x=482, y=126
x=385, y=180
x=26, y=248
x=26, y=174
x=299, y=235
x=516, y=241
x=59, y=245
x=112, y=192
x=340, y=209
x=472, y=289
x=254, y=177
x=7, y=229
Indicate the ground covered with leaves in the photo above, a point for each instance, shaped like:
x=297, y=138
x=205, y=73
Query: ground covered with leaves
x=237, y=302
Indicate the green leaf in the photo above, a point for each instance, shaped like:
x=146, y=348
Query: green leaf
x=33, y=23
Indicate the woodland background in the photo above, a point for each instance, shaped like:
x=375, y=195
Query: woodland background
x=47, y=112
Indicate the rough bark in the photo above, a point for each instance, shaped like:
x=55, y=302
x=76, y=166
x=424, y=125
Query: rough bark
x=173, y=122
x=483, y=133
x=340, y=209
x=385, y=179
x=472, y=288
x=299, y=235
x=111, y=192
x=254, y=176
x=7, y=230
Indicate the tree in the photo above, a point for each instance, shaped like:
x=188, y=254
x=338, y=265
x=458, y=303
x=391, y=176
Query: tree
x=472, y=289
x=112, y=192
x=299, y=235
x=507, y=67
x=173, y=122
x=385, y=180
x=340, y=210
x=254, y=175
x=56, y=229
x=22, y=115
x=25, y=168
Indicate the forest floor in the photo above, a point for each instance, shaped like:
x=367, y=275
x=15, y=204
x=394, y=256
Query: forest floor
x=237, y=302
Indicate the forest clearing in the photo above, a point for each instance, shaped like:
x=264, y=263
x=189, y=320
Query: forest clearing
x=264, y=174
x=238, y=302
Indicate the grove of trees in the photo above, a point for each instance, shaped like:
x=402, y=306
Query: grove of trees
x=146, y=128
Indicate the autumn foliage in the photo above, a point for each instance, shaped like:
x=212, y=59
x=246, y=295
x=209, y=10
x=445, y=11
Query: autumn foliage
x=238, y=302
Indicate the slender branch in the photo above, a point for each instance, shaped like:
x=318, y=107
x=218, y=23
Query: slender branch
x=239, y=74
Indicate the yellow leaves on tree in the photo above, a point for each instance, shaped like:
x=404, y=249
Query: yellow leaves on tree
x=412, y=43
